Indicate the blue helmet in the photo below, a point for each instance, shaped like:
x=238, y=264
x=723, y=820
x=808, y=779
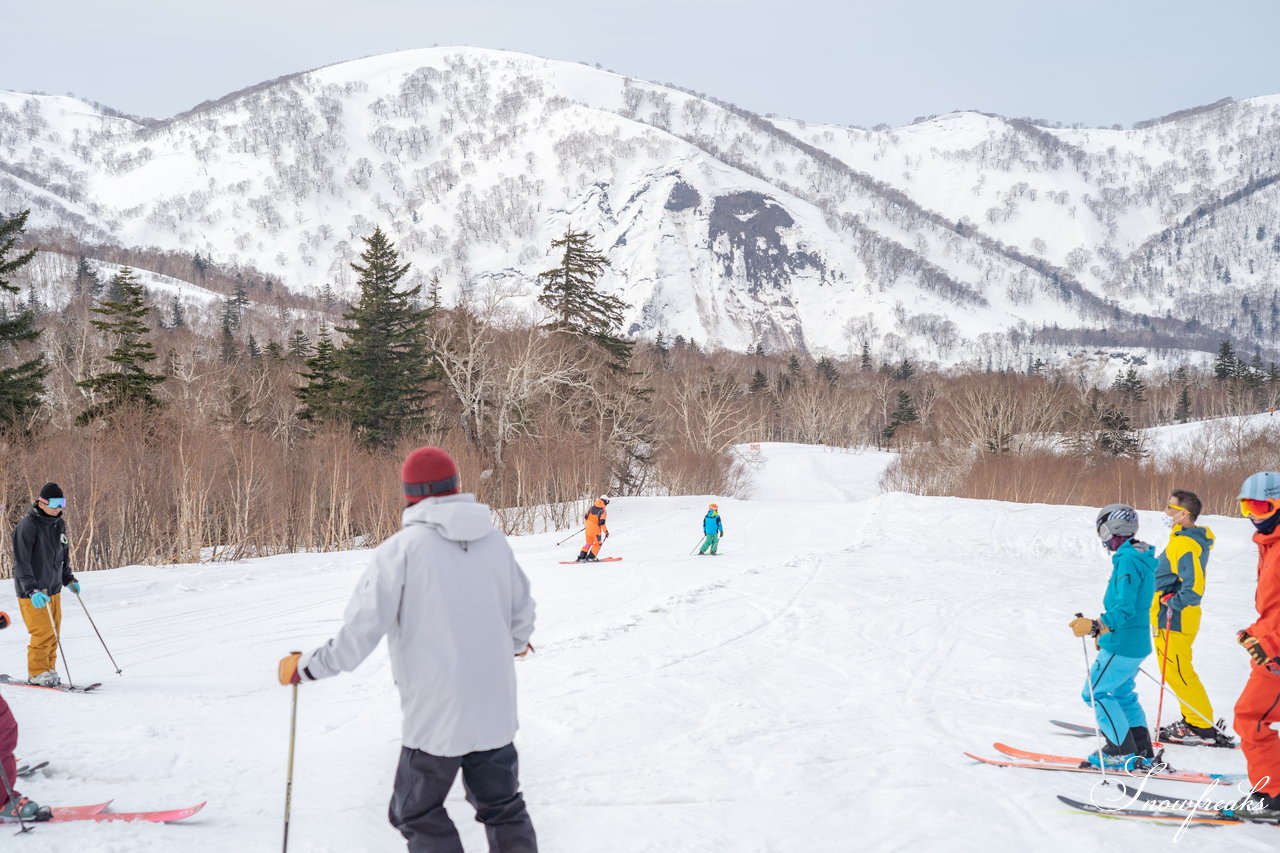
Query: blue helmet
x=1262, y=486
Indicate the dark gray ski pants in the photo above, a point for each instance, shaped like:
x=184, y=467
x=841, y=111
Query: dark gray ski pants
x=491, y=780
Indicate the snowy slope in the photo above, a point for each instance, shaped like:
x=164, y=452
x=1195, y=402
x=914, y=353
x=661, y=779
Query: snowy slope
x=809, y=690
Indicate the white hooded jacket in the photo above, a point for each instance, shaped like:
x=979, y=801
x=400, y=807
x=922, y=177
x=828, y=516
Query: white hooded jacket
x=454, y=605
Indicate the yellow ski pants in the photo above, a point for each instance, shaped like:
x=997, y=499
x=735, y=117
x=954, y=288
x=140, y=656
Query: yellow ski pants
x=1181, y=677
x=42, y=651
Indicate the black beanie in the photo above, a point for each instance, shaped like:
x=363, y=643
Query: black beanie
x=51, y=490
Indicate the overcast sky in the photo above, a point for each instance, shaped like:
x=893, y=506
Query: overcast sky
x=1098, y=62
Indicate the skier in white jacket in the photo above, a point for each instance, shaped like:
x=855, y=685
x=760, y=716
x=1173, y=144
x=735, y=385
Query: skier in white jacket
x=455, y=607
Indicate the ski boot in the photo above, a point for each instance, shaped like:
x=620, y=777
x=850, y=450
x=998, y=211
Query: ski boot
x=1256, y=806
x=45, y=679
x=24, y=809
x=1182, y=732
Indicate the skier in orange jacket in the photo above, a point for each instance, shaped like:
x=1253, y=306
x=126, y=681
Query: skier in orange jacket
x=597, y=531
x=1259, y=704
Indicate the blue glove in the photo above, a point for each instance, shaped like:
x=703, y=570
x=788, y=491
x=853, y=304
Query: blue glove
x=39, y=599
x=74, y=586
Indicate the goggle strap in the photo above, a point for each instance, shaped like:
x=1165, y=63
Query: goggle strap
x=426, y=490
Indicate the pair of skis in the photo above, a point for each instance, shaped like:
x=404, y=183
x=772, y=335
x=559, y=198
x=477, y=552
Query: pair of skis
x=598, y=560
x=61, y=688
x=1157, y=807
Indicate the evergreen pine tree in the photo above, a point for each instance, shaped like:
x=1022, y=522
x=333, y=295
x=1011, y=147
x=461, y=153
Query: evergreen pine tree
x=569, y=292
x=87, y=280
x=299, y=344
x=21, y=385
x=1117, y=436
x=129, y=384
x=433, y=295
x=1182, y=413
x=275, y=351
x=327, y=297
x=759, y=383
x=385, y=365
x=1225, y=365
x=1130, y=385
x=904, y=413
x=320, y=397
x=179, y=316
x=827, y=370
x=865, y=361
x=255, y=351
x=904, y=371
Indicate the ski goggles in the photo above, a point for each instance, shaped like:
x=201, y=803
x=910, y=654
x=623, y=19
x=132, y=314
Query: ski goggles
x=56, y=503
x=1257, y=509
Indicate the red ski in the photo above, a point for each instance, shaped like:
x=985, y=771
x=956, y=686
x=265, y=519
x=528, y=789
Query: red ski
x=1014, y=752
x=139, y=817
x=98, y=814
x=601, y=560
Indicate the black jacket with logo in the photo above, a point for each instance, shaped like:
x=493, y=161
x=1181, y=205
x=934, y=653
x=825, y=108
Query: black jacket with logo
x=41, y=557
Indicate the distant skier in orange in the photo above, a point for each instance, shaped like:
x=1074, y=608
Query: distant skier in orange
x=597, y=531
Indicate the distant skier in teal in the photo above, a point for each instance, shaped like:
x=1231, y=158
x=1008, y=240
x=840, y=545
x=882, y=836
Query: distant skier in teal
x=713, y=529
x=1124, y=641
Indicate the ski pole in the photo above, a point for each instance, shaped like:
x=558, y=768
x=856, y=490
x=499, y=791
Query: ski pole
x=288, y=787
x=1175, y=695
x=57, y=636
x=99, y=633
x=13, y=798
x=1088, y=679
x=697, y=546
x=1164, y=665
x=571, y=535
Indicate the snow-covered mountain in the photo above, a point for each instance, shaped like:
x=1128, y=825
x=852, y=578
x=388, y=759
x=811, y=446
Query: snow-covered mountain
x=958, y=237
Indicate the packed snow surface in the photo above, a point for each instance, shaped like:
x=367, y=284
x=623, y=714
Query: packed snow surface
x=810, y=689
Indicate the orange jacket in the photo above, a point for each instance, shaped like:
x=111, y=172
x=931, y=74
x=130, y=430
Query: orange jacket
x=1267, y=597
x=595, y=520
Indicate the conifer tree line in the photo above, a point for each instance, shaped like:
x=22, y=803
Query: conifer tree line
x=260, y=423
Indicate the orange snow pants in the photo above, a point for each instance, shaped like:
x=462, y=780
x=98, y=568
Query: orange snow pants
x=1257, y=708
x=42, y=651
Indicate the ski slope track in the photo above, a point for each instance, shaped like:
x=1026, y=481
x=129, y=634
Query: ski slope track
x=811, y=689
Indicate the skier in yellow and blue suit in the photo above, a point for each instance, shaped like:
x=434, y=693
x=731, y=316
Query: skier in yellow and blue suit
x=712, y=529
x=1175, y=611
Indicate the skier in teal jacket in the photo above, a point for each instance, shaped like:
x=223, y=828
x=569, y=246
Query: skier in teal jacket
x=1124, y=641
x=712, y=529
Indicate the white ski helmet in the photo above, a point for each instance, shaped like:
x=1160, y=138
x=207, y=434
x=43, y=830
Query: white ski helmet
x=1262, y=486
x=1116, y=520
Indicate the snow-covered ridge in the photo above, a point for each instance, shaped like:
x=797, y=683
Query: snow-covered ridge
x=955, y=238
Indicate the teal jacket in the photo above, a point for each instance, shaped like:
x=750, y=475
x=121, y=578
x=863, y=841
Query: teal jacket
x=1127, y=602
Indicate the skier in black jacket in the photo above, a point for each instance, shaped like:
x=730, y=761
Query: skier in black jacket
x=41, y=568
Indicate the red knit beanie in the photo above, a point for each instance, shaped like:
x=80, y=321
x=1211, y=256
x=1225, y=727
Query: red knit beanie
x=428, y=472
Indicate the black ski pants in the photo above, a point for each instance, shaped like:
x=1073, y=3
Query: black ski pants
x=491, y=780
